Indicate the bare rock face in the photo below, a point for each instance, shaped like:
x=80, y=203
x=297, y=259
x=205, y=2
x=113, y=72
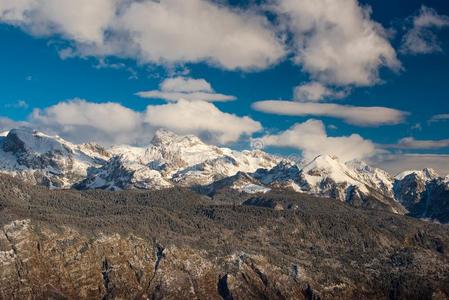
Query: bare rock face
x=41, y=262
x=176, y=244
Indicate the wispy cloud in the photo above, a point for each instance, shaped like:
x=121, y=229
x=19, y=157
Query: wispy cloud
x=412, y=143
x=396, y=163
x=357, y=115
x=420, y=37
x=7, y=124
x=20, y=104
x=439, y=117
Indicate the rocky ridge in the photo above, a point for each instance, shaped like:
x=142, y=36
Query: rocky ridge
x=172, y=160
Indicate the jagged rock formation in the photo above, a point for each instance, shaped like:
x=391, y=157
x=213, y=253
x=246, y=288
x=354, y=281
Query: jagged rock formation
x=176, y=244
x=424, y=194
x=47, y=160
x=40, y=262
x=353, y=182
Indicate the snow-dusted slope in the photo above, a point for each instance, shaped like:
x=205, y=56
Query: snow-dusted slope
x=223, y=166
x=240, y=182
x=373, y=177
x=47, y=160
x=174, y=160
x=170, y=160
x=424, y=193
x=326, y=175
x=425, y=174
x=410, y=186
x=353, y=182
x=122, y=173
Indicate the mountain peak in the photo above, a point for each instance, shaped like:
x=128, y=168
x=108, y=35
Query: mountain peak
x=323, y=162
x=162, y=135
x=167, y=137
x=426, y=174
x=29, y=140
x=430, y=173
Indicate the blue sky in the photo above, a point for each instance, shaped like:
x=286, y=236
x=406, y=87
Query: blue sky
x=47, y=60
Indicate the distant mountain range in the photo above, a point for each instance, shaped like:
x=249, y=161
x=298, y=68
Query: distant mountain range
x=172, y=160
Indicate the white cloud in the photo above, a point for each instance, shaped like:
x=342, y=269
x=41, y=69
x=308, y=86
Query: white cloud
x=82, y=121
x=164, y=32
x=315, y=91
x=111, y=123
x=311, y=138
x=357, y=115
x=175, y=96
x=439, y=117
x=420, y=38
x=337, y=42
x=184, y=84
x=20, y=104
x=174, y=89
x=7, y=124
x=411, y=143
x=396, y=163
x=83, y=20
x=201, y=118
x=110, y=116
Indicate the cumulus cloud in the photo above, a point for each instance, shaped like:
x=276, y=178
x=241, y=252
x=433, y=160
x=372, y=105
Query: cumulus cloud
x=110, y=116
x=174, y=89
x=82, y=121
x=357, y=115
x=111, y=123
x=412, y=143
x=201, y=118
x=420, y=37
x=336, y=41
x=311, y=138
x=396, y=163
x=183, y=84
x=83, y=21
x=315, y=91
x=164, y=32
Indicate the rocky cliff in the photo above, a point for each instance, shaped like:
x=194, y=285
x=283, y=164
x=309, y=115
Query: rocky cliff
x=41, y=262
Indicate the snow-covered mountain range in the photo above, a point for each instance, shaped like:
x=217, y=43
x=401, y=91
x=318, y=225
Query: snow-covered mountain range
x=172, y=160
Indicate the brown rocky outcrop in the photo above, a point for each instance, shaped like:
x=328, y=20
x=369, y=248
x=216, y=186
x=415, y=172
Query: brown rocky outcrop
x=41, y=262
